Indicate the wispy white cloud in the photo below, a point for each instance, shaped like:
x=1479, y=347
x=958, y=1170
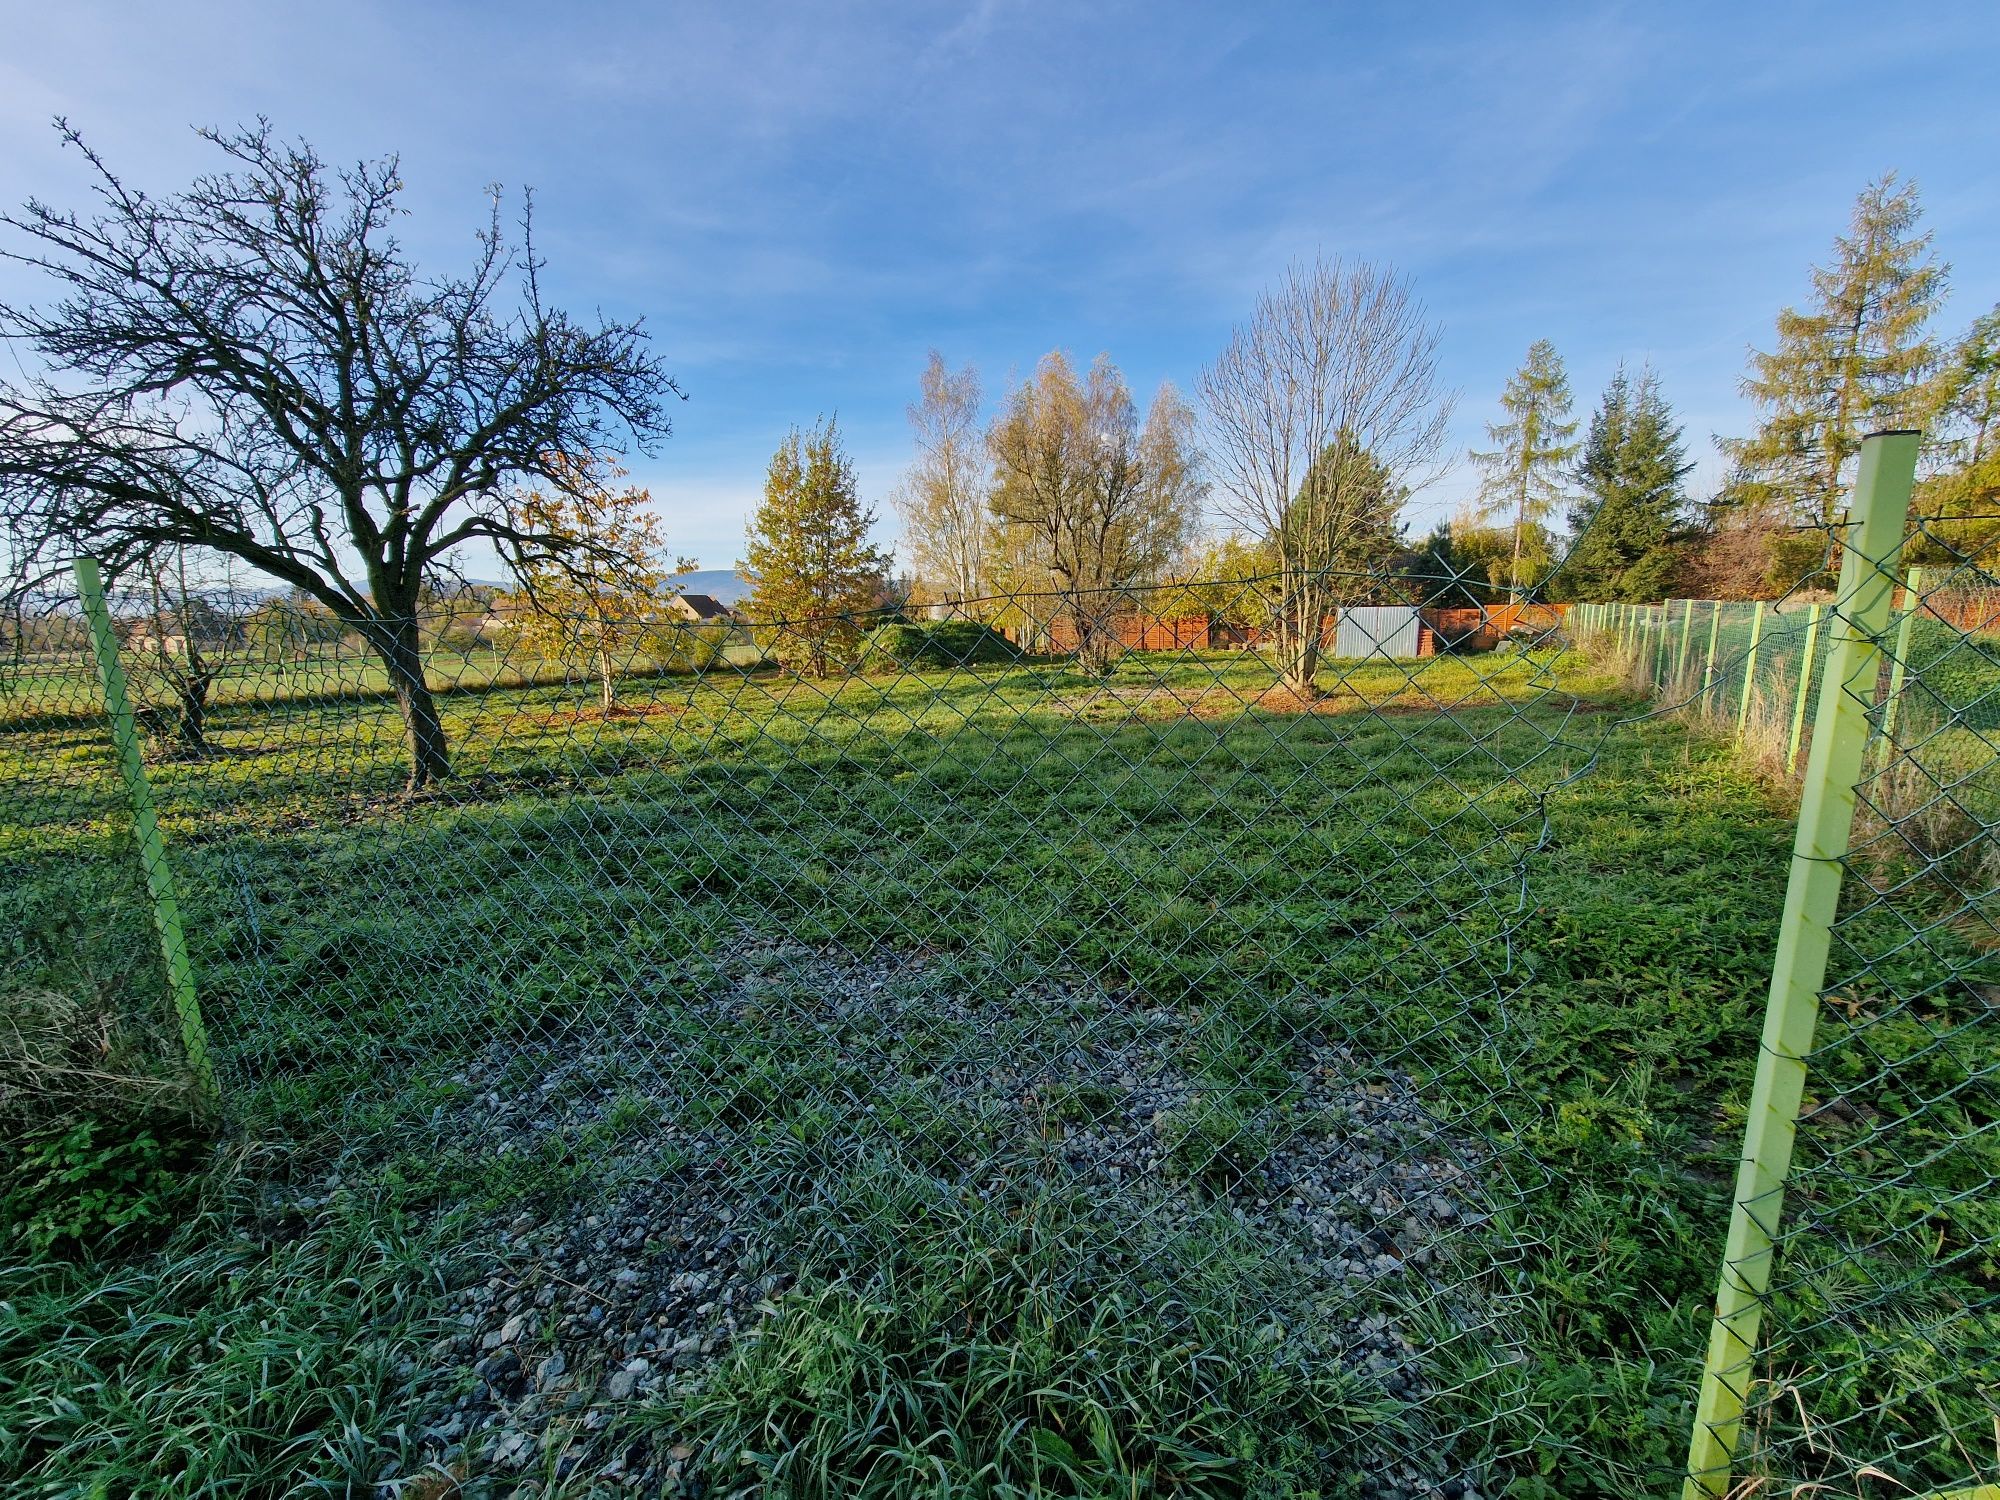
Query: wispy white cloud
x=802, y=198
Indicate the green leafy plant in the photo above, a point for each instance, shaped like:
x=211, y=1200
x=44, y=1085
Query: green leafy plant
x=1212, y=1140
x=97, y=1183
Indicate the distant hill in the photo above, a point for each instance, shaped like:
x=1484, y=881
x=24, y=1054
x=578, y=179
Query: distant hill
x=724, y=585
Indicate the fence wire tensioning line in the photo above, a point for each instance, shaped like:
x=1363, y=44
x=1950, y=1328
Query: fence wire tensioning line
x=1130, y=971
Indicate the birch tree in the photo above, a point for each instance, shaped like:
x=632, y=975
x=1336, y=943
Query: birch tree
x=943, y=500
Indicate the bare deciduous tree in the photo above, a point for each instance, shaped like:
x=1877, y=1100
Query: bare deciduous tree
x=252, y=367
x=191, y=632
x=1328, y=393
x=943, y=500
x=1100, y=501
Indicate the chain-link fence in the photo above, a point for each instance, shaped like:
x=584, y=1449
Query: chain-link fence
x=1879, y=1366
x=969, y=1073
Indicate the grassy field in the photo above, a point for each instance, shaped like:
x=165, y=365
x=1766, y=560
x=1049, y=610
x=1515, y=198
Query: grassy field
x=1135, y=1087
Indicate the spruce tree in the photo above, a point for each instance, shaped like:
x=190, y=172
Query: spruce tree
x=815, y=578
x=1853, y=361
x=1440, y=574
x=1631, y=515
x=1526, y=473
x=1350, y=507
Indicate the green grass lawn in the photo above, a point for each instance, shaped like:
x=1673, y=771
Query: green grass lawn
x=1479, y=889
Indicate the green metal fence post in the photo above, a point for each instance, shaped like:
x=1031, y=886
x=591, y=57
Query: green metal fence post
x=1799, y=693
x=1750, y=669
x=1812, y=896
x=1912, y=605
x=146, y=827
x=1687, y=630
x=1714, y=631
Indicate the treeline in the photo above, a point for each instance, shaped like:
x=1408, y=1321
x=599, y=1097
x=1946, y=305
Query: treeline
x=1065, y=494
x=270, y=388
x=1603, y=512
x=1068, y=505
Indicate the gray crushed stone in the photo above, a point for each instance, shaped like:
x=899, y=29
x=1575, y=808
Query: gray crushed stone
x=592, y=1308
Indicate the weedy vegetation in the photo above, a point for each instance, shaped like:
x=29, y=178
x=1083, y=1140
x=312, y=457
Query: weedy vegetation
x=1160, y=908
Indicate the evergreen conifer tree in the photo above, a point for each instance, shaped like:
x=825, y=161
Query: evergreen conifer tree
x=1853, y=361
x=1630, y=518
x=1527, y=471
x=815, y=578
x=1959, y=502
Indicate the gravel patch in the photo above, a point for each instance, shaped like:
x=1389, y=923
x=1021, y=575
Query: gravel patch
x=606, y=1300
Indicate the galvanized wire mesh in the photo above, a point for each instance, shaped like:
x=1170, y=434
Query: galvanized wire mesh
x=1880, y=1367
x=1886, y=1346
x=1025, y=1077
x=1159, y=1009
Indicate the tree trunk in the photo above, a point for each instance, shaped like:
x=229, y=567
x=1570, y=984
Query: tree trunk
x=608, y=678
x=1096, y=631
x=401, y=650
x=1299, y=660
x=194, y=711
x=1299, y=624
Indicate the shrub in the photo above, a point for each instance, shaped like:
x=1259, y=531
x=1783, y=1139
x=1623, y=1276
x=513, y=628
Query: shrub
x=1212, y=1141
x=100, y=1144
x=461, y=640
x=941, y=643
x=96, y=1182
x=688, y=648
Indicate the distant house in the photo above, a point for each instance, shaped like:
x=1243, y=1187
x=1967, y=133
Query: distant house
x=504, y=615
x=508, y=612
x=168, y=634
x=702, y=609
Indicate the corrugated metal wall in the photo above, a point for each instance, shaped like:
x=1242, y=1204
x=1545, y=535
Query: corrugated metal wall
x=1376, y=630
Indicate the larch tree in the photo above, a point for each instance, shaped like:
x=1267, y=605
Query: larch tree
x=1854, y=360
x=1631, y=518
x=1099, y=500
x=253, y=368
x=943, y=499
x=1324, y=412
x=599, y=598
x=1526, y=474
x=815, y=578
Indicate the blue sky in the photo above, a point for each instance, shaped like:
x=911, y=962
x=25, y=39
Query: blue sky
x=802, y=200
